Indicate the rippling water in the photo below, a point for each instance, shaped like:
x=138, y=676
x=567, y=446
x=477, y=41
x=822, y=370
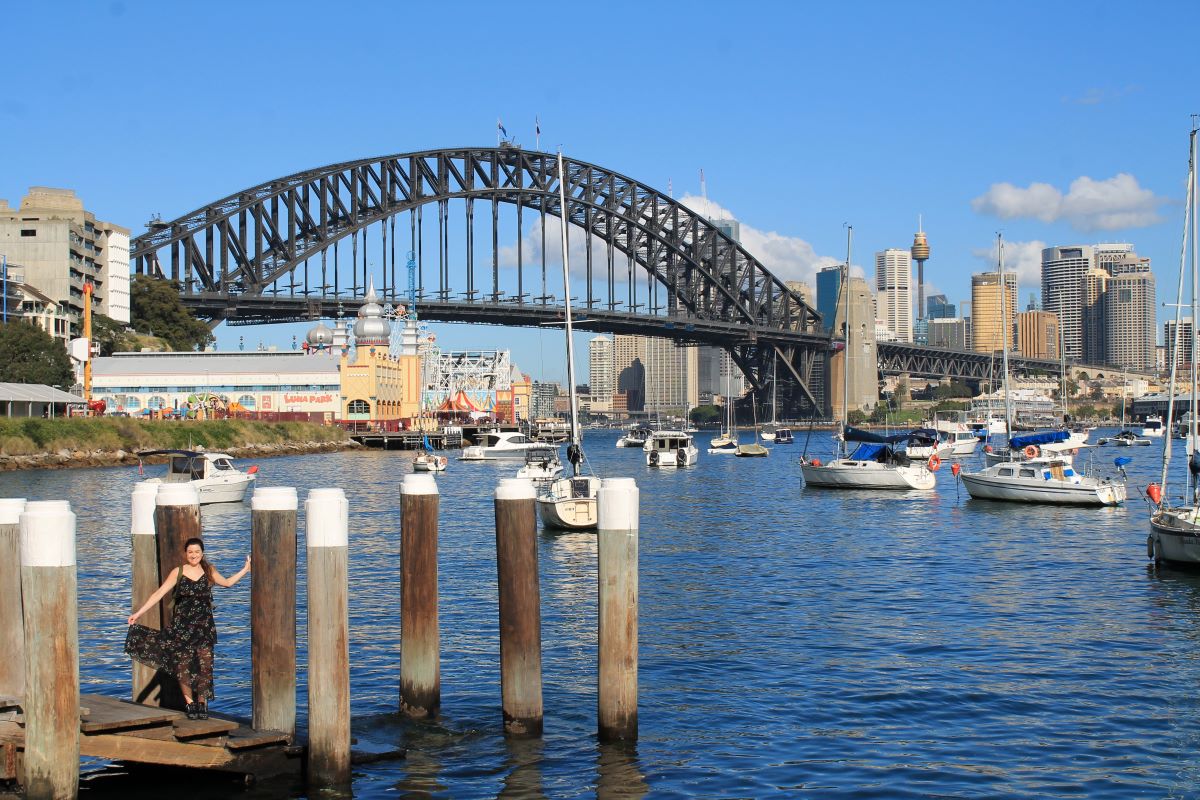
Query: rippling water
x=843, y=644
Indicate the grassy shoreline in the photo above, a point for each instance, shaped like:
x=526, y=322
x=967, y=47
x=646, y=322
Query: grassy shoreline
x=84, y=439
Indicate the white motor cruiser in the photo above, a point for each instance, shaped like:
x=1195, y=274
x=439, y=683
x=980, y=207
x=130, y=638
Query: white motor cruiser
x=502, y=445
x=1042, y=480
x=213, y=475
x=541, y=464
x=670, y=449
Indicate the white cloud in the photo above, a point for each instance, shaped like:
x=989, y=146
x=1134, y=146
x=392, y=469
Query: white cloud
x=1023, y=258
x=1111, y=204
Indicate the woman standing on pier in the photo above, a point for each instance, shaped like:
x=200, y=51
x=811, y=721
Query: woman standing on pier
x=184, y=648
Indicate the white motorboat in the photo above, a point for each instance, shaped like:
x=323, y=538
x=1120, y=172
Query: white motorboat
x=670, y=449
x=213, y=475
x=570, y=503
x=923, y=443
x=499, y=445
x=784, y=436
x=635, y=437
x=1153, y=426
x=1042, y=481
x=426, y=461
x=958, y=443
x=541, y=464
x=1175, y=530
x=1125, y=439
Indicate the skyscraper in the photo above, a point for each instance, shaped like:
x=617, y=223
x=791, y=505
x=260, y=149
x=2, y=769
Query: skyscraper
x=629, y=369
x=938, y=307
x=988, y=329
x=920, y=253
x=1063, y=271
x=1129, y=317
x=601, y=378
x=1091, y=315
x=1187, y=342
x=829, y=287
x=893, y=285
x=1037, y=334
x=672, y=373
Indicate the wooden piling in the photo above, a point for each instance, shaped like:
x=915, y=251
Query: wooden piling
x=420, y=665
x=12, y=627
x=520, y=608
x=144, y=549
x=51, y=704
x=273, y=609
x=326, y=515
x=176, y=519
x=618, y=608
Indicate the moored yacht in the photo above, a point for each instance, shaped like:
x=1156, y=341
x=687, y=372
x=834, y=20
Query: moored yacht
x=670, y=449
x=541, y=464
x=1153, y=426
x=213, y=475
x=876, y=463
x=1043, y=480
x=499, y=445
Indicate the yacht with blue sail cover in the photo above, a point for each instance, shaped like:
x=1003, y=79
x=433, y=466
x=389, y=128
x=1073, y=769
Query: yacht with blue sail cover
x=878, y=462
x=1058, y=444
x=1041, y=470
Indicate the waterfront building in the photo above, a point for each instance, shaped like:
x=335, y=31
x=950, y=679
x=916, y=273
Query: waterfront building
x=1129, y=319
x=948, y=332
x=27, y=302
x=672, y=373
x=601, y=377
x=629, y=367
x=1037, y=334
x=1063, y=271
x=542, y=399
x=988, y=329
x=829, y=287
x=375, y=385
x=921, y=331
x=60, y=246
x=938, y=307
x=893, y=285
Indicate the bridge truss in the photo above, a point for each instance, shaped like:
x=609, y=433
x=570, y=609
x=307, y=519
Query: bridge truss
x=645, y=263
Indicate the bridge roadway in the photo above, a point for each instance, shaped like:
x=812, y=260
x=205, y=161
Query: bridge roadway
x=895, y=358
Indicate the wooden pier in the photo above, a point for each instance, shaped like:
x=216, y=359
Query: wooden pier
x=123, y=731
x=407, y=440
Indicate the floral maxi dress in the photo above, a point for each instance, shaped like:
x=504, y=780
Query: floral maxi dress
x=184, y=648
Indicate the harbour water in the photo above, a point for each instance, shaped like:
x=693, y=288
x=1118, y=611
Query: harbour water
x=834, y=644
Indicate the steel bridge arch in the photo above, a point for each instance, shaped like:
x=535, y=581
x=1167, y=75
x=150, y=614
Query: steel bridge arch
x=237, y=249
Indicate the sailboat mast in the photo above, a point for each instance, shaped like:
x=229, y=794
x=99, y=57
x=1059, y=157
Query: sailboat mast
x=564, y=218
x=1188, y=215
x=1004, y=331
x=1195, y=315
x=846, y=356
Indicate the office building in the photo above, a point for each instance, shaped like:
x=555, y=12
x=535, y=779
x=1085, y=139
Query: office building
x=829, y=288
x=1187, y=343
x=1091, y=316
x=671, y=378
x=893, y=287
x=601, y=377
x=1063, y=272
x=60, y=246
x=718, y=374
x=542, y=400
x=1129, y=319
x=988, y=328
x=1037, y=334
x=629, y=369
x=938, y=307
x=948, y=332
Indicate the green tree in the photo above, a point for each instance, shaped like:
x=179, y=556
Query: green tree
x=705, y=415
x=110, y=336
x=30, y=355
x=856, y=417
x=157, y=309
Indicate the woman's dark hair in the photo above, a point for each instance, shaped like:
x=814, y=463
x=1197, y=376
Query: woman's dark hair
x=204, y=565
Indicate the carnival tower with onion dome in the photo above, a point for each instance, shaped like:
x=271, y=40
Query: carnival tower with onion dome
x=377, y=386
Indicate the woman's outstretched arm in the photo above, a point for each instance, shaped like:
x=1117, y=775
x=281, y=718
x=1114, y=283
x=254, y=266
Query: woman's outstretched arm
x=159, y=593
x=221, y=580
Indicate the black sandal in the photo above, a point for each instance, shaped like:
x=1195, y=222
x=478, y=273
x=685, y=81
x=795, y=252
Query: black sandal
x=192, y=712
x=202, y=710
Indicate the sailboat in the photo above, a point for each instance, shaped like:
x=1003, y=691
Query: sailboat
x=427, y=460
x=570, y=503
x=753, y=449
x=768, y=433
x=1126, y=437
x=727, y=441
x=1175, y=530
x=1042, y=476
x=877, y=462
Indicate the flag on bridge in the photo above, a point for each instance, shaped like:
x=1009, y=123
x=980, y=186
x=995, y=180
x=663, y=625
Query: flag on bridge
x=500, y=128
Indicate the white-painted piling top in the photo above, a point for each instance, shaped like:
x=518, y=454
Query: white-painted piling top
x=47, y=534
x=418, y=483
x=327, y=518
x=618, y=500
x=274, y=498
x=177, y=494
x=141, y=518
x=515, y=489
x=10, y=510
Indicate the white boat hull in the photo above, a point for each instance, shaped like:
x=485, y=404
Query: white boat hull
x=1175, y=536
x=1040, y=490
x=570, y=503
x=848, y=474
x=226, y=490
x=430, y=464
x=679, y=457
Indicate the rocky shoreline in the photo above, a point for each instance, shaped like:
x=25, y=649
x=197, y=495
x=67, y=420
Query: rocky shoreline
x=68, y=459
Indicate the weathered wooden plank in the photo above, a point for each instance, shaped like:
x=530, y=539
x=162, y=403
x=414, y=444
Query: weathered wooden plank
x=248, y=738
x=110, y=714
x=520, y=608
x=12, y=626
x=185, y=729
x=154, y=751
x=9, y=701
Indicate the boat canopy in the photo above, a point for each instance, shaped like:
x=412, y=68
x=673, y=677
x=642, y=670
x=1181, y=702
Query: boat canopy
x=920, y=435
x=1044, y=437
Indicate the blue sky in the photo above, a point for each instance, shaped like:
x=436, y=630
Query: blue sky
x=1056, y=123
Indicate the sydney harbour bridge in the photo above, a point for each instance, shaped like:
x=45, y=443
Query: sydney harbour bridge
x=477, y=222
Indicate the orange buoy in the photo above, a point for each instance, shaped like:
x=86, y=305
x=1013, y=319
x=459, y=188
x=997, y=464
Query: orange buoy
x=987, y=448
x=955, y=469
x=816, y=462
x=1155, y=492
x=1032, y=451
x=933, y=463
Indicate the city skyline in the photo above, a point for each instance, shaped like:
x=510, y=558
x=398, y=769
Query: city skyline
x=981, y=136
